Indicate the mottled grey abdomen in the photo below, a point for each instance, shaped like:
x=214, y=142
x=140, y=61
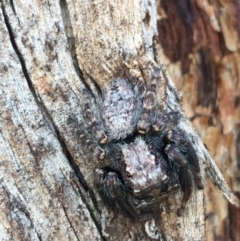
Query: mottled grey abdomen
x=121, y=109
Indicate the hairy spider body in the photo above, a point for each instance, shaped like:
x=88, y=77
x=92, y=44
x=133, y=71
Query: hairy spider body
x=143, y=171
x=121, y=109
x=144, y=153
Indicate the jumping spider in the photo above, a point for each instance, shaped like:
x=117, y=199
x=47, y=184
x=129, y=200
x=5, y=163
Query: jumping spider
x=142, y=152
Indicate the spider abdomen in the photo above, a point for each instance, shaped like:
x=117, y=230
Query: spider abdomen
x=121, y=109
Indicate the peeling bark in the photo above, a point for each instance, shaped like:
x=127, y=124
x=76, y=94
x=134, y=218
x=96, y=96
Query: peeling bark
x=50, y=52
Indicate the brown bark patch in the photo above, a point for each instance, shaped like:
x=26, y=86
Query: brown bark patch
x=207, y=79
x=175, y=32
x=234, y=222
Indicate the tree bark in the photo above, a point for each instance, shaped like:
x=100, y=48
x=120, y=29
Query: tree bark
x=50, y=52
x=200, y=46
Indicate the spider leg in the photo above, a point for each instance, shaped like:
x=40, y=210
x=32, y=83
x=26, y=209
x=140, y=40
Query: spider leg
x=96, y=126
x=152, y=75
x=114, y=193
x=165, y=121
x=138, y=81
x=179, y=138
x=178, y=160
x=186, y=185
x=85, y=139
x=175, y=155
x=182, y=156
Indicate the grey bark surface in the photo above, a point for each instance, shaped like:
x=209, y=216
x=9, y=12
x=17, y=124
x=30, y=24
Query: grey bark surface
x=50, y=51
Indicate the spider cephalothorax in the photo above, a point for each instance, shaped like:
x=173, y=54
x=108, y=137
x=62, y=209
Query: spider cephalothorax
x=144, y=149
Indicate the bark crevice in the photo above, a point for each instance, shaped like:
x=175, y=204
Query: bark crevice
x=69, y=221
x=13, y=7
x=87, y=189
x=18, y=53
x=88, y=82
x=83, y=183
x=52, y=125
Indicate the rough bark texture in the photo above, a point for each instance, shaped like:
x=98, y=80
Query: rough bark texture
x=50, y=52
x=200, y=46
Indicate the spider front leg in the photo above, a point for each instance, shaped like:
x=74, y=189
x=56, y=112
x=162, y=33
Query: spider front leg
x=179, y=162
x=185, y=147
x=154, y=94
x=114, y=193
x=185, y=180
x=182, y=157
x=165, y=121
x=85, y=138
x=95, y=125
